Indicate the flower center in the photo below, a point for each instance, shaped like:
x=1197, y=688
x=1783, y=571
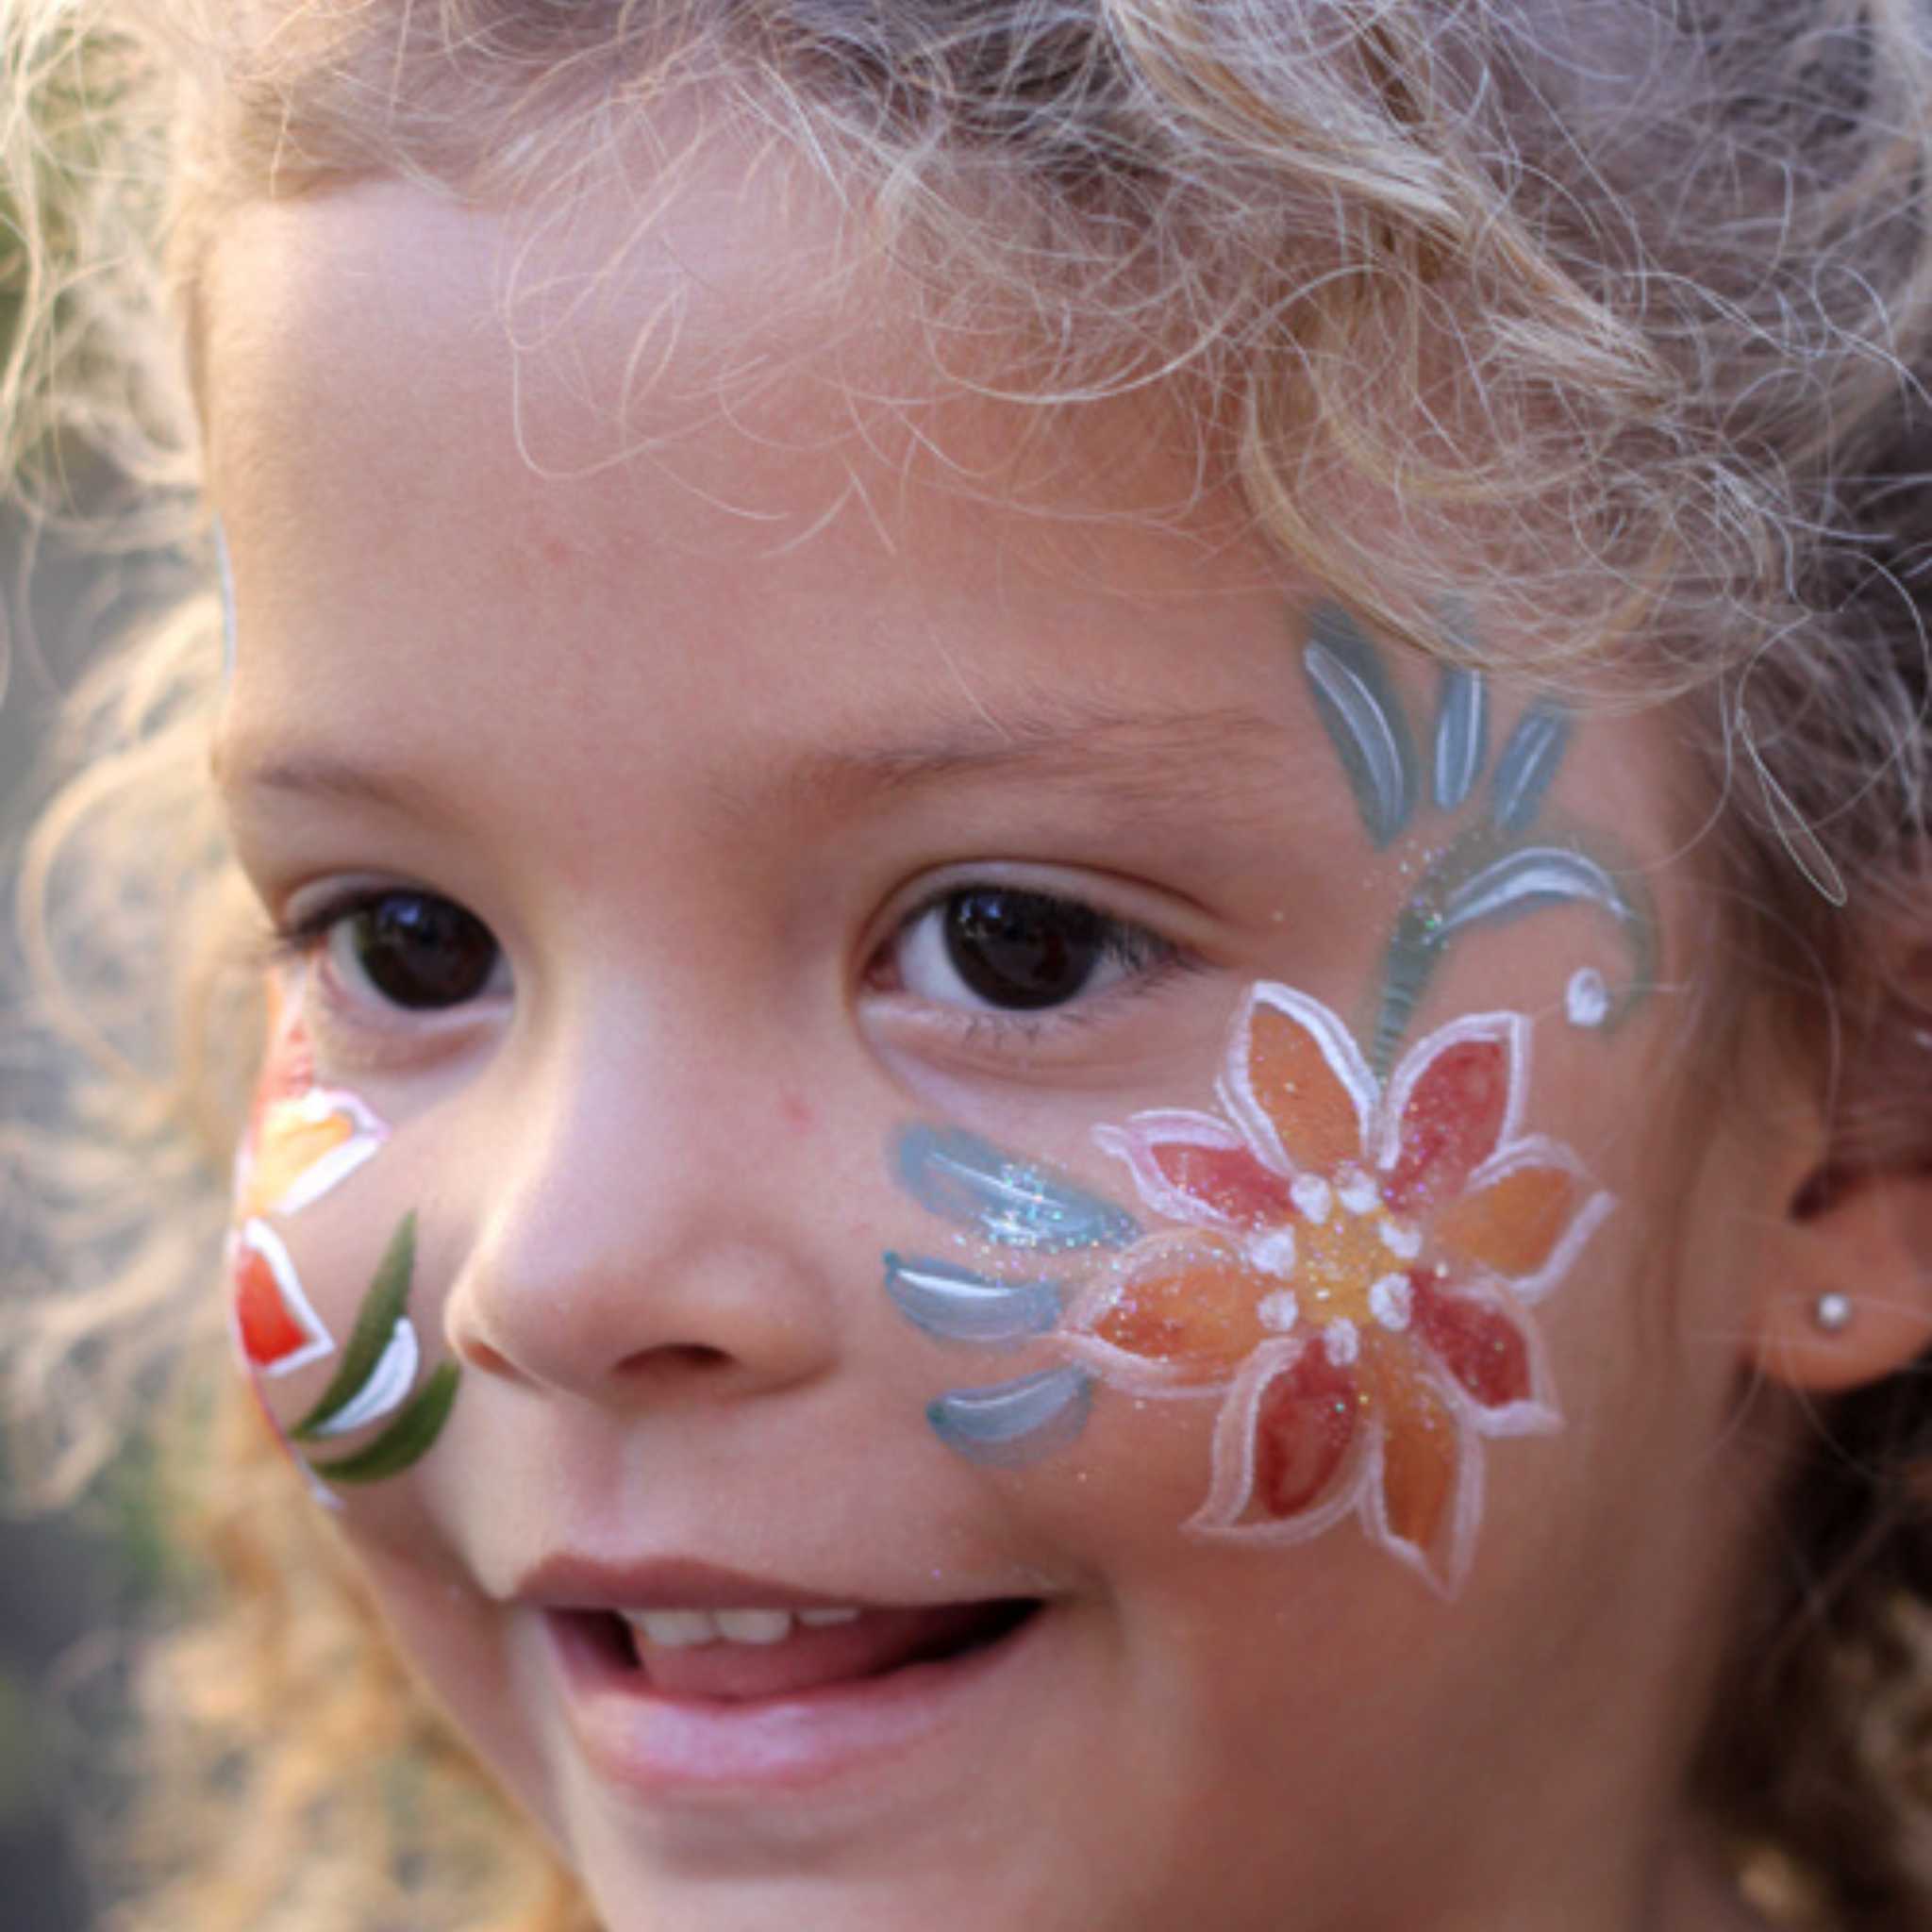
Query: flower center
x=1352, y=1255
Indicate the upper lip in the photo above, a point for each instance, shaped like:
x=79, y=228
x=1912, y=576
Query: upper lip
x=564, y=1581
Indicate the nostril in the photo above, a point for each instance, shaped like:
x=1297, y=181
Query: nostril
x=676, y=1357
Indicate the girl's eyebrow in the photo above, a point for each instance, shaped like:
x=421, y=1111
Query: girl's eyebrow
x=1150, y=759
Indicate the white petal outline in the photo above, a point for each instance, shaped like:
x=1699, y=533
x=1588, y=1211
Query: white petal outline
x=1115, y=1366
x=1232, y=1488
x=388, y=1384
x=1512, y=1031
x=1337, y=1047
x=258, y=1236
x=1135, y=1143
x=1539, y=1150
x=318, y=1105
x=1540, y=1413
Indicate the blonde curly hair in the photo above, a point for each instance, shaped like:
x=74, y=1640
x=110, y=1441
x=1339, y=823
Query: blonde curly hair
x=1631, y=300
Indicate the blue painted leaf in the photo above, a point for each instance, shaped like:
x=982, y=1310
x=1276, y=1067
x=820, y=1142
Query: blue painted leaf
x=1015, y=1203
x=1485, y=880
x=1363, y=717
x=1529, y=765
x=958, y=1305
x=1462, y=735
x=1014, y=1422
x=1526, y=881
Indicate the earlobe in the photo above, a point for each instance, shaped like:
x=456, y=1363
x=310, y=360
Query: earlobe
x=1854, y=1301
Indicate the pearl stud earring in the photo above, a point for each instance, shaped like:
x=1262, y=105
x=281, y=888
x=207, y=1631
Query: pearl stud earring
x=1832, y=1312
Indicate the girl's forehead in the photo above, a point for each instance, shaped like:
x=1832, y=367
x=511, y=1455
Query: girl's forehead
x=729, y=325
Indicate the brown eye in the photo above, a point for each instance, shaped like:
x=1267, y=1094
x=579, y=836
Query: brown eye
x=417, y=951
x=1021, y=950
x=1012, y=950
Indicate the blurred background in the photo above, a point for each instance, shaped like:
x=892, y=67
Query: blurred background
x=66, y=1582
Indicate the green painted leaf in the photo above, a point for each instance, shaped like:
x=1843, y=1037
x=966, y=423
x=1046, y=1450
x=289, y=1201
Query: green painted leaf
x=382, y=1307
x=406, y=1440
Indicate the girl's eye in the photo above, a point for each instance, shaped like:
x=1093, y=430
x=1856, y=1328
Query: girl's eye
x=1018, y=951
x=415, y=950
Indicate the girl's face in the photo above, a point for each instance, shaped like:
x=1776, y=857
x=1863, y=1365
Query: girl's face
x=980, y=1221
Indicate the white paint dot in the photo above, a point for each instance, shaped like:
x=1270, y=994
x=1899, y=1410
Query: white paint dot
x=1312, y=1196
x=1273, y=1252
x=1279, y=1312
x=1392, y=1301
x=1358, y=1192
x=1343, y=1343
x=1586, y=999
x=1403, y=1241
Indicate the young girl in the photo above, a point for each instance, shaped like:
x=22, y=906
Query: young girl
x=1074, y=860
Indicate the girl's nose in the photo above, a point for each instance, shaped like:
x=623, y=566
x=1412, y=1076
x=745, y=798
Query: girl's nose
x=651, y=1229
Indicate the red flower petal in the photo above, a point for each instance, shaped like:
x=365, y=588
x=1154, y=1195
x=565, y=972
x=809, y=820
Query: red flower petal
x=1478, y=1345
x=1303, y=1428
x=1452, y=1119
x=1228, y=1180
x=269, y=1331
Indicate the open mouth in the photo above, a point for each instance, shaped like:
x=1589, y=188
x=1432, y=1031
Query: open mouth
x=741, y=1655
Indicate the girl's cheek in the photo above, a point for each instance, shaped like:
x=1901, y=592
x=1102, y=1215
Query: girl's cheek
x=321, y=1304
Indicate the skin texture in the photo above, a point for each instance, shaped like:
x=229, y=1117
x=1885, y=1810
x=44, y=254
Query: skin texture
x=693, y=704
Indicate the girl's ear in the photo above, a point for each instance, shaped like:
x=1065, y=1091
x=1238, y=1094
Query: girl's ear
x=1850, y=1300
x=1853, y=1298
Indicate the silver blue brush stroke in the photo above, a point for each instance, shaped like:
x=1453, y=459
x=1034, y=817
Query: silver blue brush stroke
x=1526, y=880
x=1363, y=717
x=1462, y=735
x=1529, y=765
x=962, y=1178
x=1484, y=879
x=957, y=1305
x=226, y=572
x=1014, y=1422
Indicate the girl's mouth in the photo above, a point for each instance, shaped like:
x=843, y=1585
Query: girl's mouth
x=745, y=1656
x=709, y=1706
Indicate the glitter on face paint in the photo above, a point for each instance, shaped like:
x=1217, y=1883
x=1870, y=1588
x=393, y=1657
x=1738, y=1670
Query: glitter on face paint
x=1364, y=1382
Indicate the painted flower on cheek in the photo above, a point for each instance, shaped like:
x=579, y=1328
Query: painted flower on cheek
x=302, y=1141
x=1350, y=1277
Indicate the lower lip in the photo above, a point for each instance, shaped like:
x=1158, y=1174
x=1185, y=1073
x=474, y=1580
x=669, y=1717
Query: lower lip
x=667, y=1748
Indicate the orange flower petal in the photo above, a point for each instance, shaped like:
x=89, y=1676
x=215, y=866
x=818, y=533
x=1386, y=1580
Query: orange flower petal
x=289, y=1147
x=1310, y=1107
x=1421, y=1447
x=1185, y=1305
x=1513, y=1223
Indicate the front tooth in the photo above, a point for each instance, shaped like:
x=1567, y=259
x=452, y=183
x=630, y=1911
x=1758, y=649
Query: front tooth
x=755, y=1626
x=819, y=1620
x=674, y=1630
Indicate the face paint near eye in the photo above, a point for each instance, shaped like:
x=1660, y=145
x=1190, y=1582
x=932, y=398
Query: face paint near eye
x=1492, y=874
x=275, y=1329
x=303, y=1142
